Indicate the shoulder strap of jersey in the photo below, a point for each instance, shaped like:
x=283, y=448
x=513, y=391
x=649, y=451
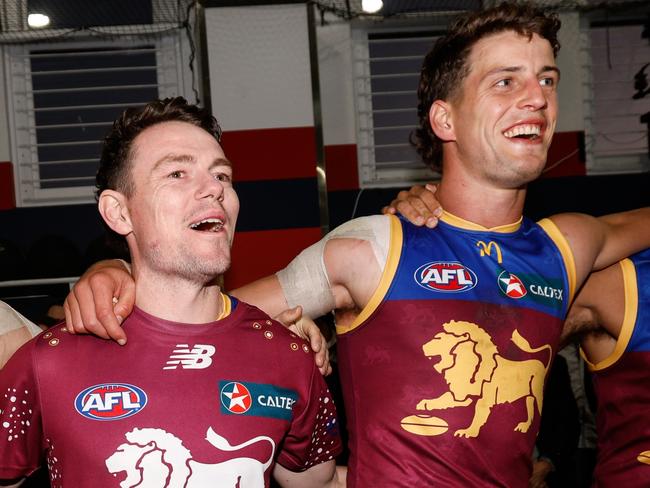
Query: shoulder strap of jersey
x=565, y=250
x=392, y=261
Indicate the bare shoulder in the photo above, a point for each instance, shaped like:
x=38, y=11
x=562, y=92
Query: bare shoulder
x=576, y=226
x=584, y=236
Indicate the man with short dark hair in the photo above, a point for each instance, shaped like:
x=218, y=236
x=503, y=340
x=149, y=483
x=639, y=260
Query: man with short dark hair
x=449, y=333
x=209, y=391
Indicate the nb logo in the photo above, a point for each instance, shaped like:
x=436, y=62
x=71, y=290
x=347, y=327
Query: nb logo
x=486, y=250
x=198, y=357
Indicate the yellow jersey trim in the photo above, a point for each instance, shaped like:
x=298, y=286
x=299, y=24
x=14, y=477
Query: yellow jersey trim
x=392, y=261
x=629, y=318
x=452, y=219
x=226, y=306
x=563, y=245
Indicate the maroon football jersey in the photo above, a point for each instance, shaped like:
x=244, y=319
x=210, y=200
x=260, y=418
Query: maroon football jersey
x=623, y=389
x=179, y=405
x=444, y=370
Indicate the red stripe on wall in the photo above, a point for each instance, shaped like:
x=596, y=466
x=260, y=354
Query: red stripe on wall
x=566, y=155
x=7, y=194
x=342, y=168
x=261, y=253
x=272, y=154
x=565, y=158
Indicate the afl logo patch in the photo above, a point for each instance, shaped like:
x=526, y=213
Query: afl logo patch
x=236, y=398
x=451, y=277
x=110, y=401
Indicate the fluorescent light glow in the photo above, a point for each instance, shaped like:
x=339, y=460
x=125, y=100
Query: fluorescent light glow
x=38, y=20
x=371, y=6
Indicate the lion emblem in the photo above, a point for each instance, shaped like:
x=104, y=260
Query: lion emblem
x=476, y=372
x=644, y=457
x=154, y=458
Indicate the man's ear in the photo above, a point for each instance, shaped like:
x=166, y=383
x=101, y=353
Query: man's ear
x=441, y=121
x=112, y=206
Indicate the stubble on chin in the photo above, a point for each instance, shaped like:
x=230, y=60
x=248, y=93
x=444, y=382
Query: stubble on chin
x=189, y=266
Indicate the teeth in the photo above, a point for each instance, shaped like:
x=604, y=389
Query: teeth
x=523, y=130
x=214, y=224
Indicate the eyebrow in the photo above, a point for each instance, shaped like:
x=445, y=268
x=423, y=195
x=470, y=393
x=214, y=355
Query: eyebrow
x=516, y=69
x=188, y=158
x=221, y=162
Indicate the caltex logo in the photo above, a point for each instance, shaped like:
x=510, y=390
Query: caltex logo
x=511, y=285
x=235, y=397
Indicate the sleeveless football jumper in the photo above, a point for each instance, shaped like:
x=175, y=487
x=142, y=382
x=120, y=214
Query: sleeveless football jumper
x=443, y=371
x=623, y=390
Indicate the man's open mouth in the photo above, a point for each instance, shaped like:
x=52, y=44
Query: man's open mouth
x=208, y=225
x=524, y=131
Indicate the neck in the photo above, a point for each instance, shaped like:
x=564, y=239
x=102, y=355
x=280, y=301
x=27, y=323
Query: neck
x=177, y=299
x=482, y=204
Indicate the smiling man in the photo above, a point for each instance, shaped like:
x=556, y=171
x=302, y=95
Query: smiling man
x=446, y=344
x=209, y=391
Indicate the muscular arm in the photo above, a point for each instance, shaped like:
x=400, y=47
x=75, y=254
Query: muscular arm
x=600, y=242
x=265, y=293
x=339, y=272
x=349, y=285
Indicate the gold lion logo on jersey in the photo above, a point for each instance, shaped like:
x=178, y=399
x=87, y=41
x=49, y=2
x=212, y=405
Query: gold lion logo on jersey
x=476, y=372
x=644, y=457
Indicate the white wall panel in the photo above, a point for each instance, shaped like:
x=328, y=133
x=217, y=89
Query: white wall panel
x=336, y=85
x=335, y=69
x=571, y=64
x=5, y=152
x=260, y=74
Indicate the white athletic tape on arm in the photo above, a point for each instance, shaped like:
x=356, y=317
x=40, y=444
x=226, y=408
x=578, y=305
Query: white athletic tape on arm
x=305, y=282
x=15, y=330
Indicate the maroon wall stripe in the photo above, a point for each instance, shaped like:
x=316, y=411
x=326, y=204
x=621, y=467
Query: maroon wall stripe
x=342, y=168
x=567, y=147
x=271, y=154
x=7, y=195
x=261, y=253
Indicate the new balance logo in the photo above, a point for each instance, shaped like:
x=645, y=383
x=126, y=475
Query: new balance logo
x=198, y=357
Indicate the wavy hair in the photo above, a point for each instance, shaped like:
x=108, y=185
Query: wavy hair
x=445, y=65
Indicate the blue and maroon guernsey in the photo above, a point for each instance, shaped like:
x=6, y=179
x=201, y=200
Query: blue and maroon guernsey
x=180, y=405
x=443, y=371
x=623, y=389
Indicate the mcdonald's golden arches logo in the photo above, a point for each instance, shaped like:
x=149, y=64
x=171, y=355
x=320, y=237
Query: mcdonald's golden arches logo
x=486, y=250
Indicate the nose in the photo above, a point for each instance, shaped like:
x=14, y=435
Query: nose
x=533, y=96
x=210, y=187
